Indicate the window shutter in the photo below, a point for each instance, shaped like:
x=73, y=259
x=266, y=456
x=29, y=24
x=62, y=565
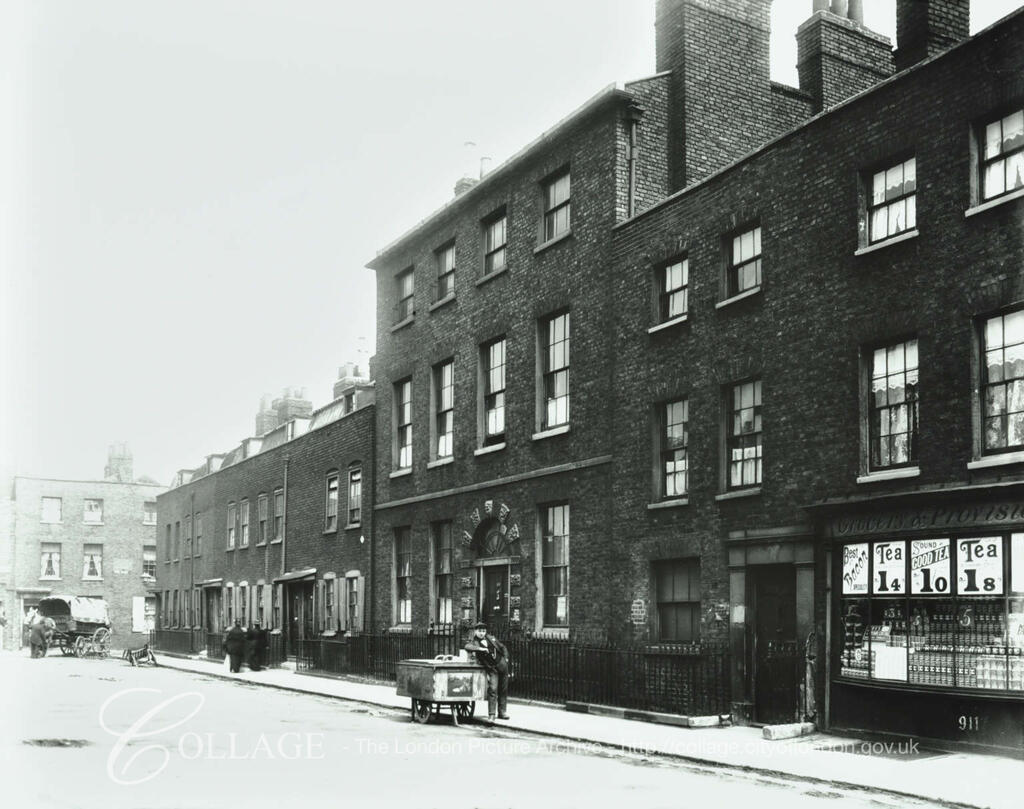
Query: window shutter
x=359, y=606
x=339, y=601
x=318, y=608
x=138, y=613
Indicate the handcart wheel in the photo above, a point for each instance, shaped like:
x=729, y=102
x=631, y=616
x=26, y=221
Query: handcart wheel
x=80, y=646
x=421, y=710
x=466, y=710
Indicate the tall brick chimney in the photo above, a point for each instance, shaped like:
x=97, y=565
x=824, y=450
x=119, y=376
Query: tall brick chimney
x=266, y=417
x=925, y=28
x=837, y=57
x=119, y=464
x=292, y=404
x=720, y=92
x=354, y=386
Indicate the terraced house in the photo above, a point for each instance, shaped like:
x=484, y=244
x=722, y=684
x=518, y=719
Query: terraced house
x=709, y=399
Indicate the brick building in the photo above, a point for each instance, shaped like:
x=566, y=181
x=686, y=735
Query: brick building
x=776, y=314
x=92, y=538
x=279, y=530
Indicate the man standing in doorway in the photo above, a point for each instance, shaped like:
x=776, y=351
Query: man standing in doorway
x=493, y=656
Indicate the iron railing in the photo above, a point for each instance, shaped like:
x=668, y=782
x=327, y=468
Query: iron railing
x=691, y=679
x=175, y=641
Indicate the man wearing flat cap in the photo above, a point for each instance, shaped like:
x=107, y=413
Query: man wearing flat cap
x=493, y=656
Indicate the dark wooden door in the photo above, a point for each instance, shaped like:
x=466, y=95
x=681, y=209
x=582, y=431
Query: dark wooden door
x=494, y=603
x=300, y=614
x=776, y=657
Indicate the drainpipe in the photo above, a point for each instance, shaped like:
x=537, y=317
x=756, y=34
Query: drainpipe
x=284, y=528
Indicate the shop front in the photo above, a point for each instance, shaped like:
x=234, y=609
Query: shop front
x=927, y=617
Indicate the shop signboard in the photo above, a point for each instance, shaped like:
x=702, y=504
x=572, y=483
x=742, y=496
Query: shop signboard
x=855, y=569
x=929, y=567
x=979, y=564
x=890, y=568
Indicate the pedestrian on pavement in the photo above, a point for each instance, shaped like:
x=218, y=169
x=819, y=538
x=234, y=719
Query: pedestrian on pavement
x=234, y=645
x=39, y=637
x=256, y=646
x=493, y=656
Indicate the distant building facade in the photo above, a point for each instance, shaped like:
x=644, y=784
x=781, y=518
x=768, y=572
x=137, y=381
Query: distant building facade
x=279, y=530
x=83, y=538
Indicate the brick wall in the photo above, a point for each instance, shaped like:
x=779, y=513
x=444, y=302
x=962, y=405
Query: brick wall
x=122, y=535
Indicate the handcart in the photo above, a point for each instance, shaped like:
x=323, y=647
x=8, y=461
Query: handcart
x=81, y=625
x=444, y=682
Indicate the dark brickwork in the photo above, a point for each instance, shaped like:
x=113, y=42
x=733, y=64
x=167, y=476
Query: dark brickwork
x=820, y=304
x=301, y=465
x=837, y=58
x=924, y=29
x=122, y=534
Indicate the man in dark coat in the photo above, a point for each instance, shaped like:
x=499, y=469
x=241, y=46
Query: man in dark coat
x=39, y=638
x=493, y=656
x=234, y=645
x=256, y=646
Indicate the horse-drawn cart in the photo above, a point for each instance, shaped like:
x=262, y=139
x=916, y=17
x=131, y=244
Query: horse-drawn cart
x=444, y=682
x=81, y=625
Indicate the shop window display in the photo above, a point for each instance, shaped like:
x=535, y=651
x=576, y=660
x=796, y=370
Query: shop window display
x=942, y=612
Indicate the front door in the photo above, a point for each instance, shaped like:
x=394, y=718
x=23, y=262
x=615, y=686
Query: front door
x=300, y=614
x=494, y=595
x=213, y=610
x=776, y=654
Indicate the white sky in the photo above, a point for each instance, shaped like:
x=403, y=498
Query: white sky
x=189, y=190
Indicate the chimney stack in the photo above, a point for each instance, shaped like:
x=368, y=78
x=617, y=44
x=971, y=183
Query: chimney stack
x=266, y=417
x=119, y=464
x=925, y=28
x=463, y=184
x=353, y=386
x=720, y=89
x=837, y=57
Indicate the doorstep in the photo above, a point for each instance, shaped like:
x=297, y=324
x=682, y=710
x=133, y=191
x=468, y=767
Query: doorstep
x=656, y=717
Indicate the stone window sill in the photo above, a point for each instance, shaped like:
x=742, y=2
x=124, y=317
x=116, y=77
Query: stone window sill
x=561, y=237
x=403, y=629
x=994, y=203
x=554, y=631
x=737, y=298
x=1005, y=459
x=276, y=541
x=400, y=473
x=902, y=237
x=889, y=474
x=441, y=462
x=489, y=449
x=401, y=324
x=353, y=525
x=439, y=303
x=668, y=324
x=562, y=429
x=753, y=491
x=673, y=503
x=491, y=275
x=91, y=523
